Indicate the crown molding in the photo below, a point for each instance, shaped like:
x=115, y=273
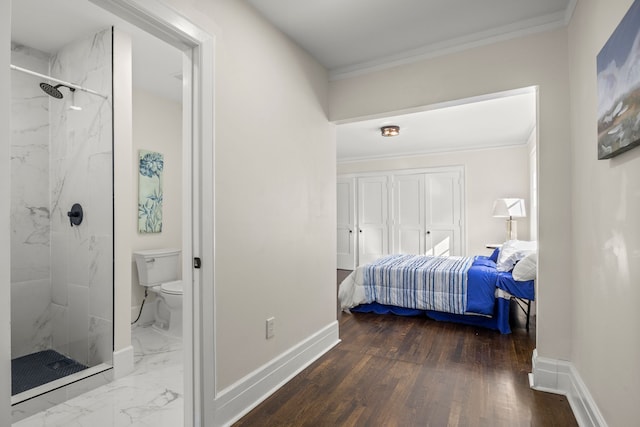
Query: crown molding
x=568, y=13
x=507, y=32
x=430, y=152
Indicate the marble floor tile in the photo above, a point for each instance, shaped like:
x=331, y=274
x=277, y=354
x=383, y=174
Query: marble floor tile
x=152, y=395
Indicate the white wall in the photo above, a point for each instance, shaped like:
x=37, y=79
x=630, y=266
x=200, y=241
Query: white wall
x=157, y=126
x=275, y=190
x=489, y=175
x=606, y=233
x=538, y=60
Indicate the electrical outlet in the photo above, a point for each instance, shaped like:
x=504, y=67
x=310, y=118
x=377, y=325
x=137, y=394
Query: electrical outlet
x=271, y=327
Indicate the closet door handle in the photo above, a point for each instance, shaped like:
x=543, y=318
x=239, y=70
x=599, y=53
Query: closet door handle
x=428, y=232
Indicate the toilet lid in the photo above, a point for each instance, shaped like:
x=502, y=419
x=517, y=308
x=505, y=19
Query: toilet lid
x=174, y=288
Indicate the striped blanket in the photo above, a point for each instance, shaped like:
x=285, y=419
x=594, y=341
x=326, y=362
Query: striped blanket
x=421, y=282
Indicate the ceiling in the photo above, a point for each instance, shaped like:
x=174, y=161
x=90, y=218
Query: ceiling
x=48, y=25
x=497, y=121
x=348, y=38
x=358, y=36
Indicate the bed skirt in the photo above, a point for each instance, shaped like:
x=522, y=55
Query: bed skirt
x=499, y=321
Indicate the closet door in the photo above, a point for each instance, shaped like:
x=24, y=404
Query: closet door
x=443, y=214
x=373, y=216
x=409, y=214
x=346, y=223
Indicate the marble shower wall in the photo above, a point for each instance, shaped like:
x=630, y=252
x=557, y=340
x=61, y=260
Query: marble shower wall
x=30, y=208
x=62, y=276
x=81, y=172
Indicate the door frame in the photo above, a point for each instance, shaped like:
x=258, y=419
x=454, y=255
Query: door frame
x=198, y=138
x=198, y=199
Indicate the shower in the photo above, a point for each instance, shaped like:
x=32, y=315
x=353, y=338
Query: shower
x=61, y=218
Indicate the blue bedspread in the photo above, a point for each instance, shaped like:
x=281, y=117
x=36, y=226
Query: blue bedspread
x=422, y=282
x=482, y=286
x=457, y=285
x=482, y=306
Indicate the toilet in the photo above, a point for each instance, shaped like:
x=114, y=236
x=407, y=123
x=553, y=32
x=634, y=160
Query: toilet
x=159, y=271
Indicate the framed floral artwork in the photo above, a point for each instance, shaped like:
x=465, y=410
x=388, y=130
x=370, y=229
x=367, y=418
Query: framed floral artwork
x=151, y=165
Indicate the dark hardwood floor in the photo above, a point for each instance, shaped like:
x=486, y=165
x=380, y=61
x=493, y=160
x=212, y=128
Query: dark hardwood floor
x=413, y=371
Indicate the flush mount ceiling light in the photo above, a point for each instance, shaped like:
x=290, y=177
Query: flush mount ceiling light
x=390, y=130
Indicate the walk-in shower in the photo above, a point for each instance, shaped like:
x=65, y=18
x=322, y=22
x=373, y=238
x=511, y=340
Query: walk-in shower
x=61, y=215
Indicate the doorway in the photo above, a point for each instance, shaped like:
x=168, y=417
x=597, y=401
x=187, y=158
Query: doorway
x=197, y=153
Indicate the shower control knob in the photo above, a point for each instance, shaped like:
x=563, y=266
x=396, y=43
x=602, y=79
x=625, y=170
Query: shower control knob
x=75, y=215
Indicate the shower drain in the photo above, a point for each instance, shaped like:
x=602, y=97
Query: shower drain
x=60, y=364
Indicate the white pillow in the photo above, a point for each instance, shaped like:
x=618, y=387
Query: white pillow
x=513, y=251
x=525, y=269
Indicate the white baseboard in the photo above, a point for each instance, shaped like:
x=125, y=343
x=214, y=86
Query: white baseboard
x=237, y=400
x=561, y=377
x=123, y=362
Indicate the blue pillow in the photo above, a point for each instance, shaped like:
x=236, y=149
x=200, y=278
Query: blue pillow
x=483, y=261
x=495, y=254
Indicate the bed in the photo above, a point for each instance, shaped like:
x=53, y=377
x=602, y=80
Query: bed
x=469, y=290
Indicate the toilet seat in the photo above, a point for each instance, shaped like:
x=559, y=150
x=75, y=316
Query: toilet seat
x=172, y=288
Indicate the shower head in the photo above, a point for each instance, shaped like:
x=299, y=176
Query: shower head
x=54, y=92
x=51, y=90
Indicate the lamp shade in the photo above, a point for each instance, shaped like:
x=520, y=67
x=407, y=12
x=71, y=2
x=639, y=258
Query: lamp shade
x=509, y=208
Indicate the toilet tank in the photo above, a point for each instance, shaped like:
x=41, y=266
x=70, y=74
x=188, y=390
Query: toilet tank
x=157, y=266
